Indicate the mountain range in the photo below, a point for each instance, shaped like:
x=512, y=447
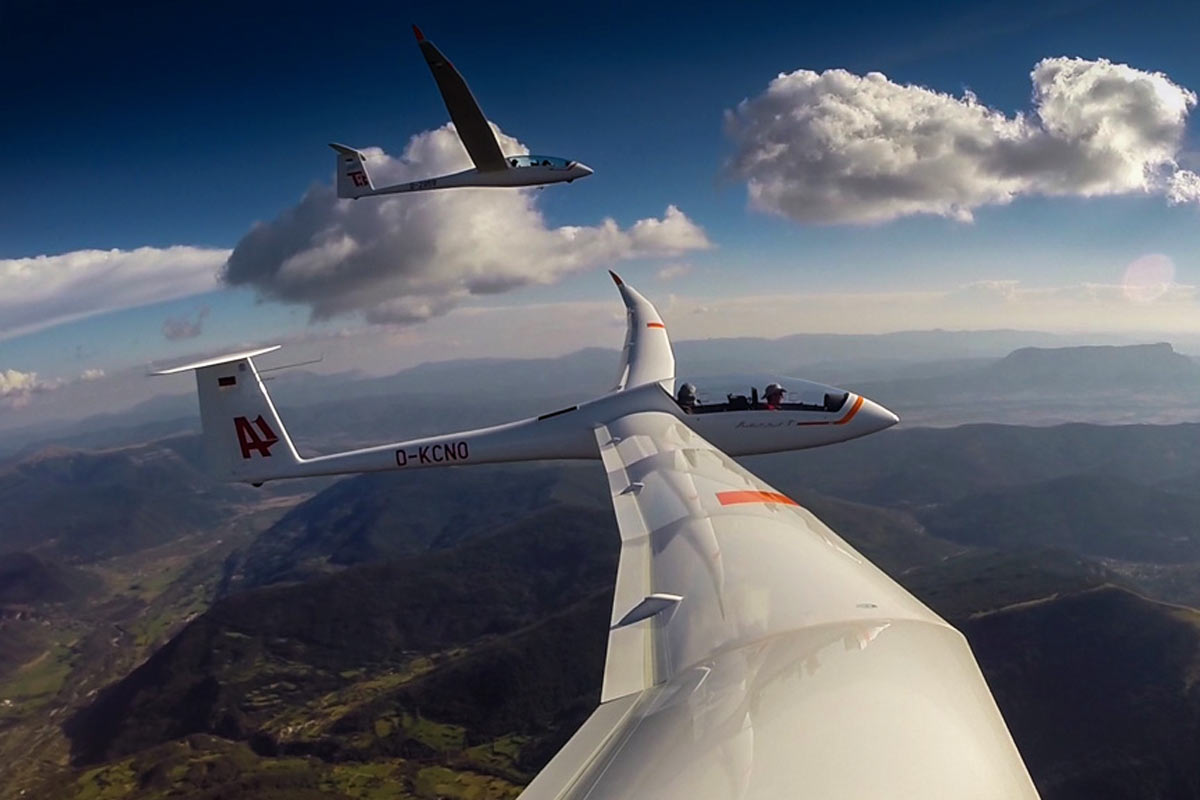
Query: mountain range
x=930, y=377
x=440, y=634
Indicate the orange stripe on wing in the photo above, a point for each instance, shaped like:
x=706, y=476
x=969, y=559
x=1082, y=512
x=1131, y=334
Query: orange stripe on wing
x=736, y=498
x=656, y=325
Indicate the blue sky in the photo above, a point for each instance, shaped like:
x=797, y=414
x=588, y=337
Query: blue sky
x=156, y=125
x=181, y=125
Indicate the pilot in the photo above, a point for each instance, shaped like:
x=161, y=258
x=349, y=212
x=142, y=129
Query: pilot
x=773, y=396
x=687, y=398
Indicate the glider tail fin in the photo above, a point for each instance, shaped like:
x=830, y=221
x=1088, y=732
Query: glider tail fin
x=353, y=180
x=244, y=439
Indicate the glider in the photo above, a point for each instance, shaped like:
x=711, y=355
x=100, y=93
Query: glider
x=492, y=167
x=752, y=653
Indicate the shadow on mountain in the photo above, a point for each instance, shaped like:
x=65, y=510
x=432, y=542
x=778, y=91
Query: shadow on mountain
x=434, y=659
x=79, y=507
x=389, y=515
x=26, y=579
x=1099, y=691
x=235, y=668
x=1095, y=515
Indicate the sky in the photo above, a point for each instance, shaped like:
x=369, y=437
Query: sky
x=760, y=169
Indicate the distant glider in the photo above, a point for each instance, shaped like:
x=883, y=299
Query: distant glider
x=492, y=167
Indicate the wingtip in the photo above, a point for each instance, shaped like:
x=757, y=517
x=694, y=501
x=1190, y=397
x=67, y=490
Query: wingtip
x=616, y=278
x=417, y=31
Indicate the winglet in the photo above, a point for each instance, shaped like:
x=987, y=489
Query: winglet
x=417, y=31
x=646, y=356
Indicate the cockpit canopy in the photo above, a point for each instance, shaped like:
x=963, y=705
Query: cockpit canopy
x=551, y=162
x=735, y=394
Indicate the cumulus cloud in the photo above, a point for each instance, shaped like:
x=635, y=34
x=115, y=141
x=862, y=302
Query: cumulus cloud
x=412, y=257
x=1183, y=187
x=46, y=290
x=185, y=327
x=835, y=147
x=17, y=388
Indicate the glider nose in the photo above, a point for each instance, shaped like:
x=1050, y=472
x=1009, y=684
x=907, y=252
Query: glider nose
x=583, y=169
x=875, y=417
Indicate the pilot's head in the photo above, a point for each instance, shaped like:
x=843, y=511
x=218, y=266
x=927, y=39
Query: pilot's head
x=773, y=393
x=687, y=394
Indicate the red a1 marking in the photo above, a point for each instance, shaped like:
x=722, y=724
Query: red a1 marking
x=261, y=440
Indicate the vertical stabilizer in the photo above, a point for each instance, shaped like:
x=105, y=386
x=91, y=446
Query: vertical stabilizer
x=244, y=439
x=353, y=180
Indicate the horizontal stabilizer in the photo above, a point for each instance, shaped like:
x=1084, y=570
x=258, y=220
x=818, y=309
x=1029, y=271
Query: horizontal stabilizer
x=216, y=360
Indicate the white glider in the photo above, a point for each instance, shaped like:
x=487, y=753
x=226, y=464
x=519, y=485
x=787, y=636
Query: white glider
x=752, y=653
x=492, y=167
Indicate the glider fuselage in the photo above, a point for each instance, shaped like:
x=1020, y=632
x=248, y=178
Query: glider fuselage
x=569, y=433
x=547, y=170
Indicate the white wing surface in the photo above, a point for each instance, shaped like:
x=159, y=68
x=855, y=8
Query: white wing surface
x=754, y=654
x=468, y=118
x=647, y=355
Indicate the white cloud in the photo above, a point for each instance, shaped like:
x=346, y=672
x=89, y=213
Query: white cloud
x=673, y=271
x=1183, y=187
x=1083, y=307
x=42, y=291
x=989, y=291
x=834, y=147
x=16, y=387
x=13, y=382
x=413, y=257
x=522, y=331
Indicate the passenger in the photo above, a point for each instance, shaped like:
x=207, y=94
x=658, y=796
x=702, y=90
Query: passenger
x=687, y=398
x=773, y=395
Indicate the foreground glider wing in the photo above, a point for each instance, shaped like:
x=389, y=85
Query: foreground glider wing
x=646, y=356
x=468, y=118
x=754, y=654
